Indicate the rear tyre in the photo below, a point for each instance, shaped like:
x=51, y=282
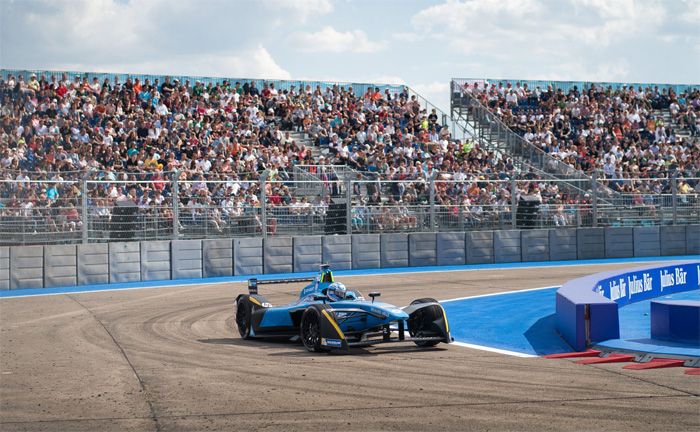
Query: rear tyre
x=310, y=330
x=420, y=323
x=244, y=314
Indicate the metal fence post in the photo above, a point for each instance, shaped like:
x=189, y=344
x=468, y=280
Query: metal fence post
x=431, y=185
x=674, y=191
x=348, y=206
x=176, y=204
x=85, y=209
x=263, y=203
x=513, y=202
x=594, y=192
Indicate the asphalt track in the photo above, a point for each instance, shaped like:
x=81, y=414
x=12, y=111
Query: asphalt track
x=170, y=359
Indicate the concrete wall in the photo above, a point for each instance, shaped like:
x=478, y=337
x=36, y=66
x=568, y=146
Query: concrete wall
x=507, y=246
x=217, y=257
x=60, y=265
x=308, y=253
x=93, y=263
x=451, y=249
x=422, y=249
x=26, y=267
x=535, y=245
x=278, y=255
x=4, y=268
x=64, y=265
x=337, y=251
x=590, y=243
x=366, y=251
x=155, y=260
x=479, y=247
x=562, y=244
x=394, y=250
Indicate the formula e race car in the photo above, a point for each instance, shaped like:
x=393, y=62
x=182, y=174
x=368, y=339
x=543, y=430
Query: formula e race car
x=329, y=316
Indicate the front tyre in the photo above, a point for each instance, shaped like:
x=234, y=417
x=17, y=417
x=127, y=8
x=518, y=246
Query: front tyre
x=244, y=315
x=421, y=321
x=310, y=330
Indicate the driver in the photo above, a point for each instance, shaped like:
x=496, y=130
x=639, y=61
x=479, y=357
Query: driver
x=337, y=291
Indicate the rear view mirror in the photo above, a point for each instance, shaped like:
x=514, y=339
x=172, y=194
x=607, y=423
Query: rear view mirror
x=374, y=294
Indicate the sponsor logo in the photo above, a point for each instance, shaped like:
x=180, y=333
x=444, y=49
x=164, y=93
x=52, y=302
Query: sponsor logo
x=331, y=342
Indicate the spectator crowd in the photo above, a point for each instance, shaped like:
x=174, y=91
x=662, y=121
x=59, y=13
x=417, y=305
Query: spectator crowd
x=129, y=139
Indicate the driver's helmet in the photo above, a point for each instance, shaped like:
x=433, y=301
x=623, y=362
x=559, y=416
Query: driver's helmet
x=337, y=291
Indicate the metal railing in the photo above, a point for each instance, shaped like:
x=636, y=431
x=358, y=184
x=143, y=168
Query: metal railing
x=92, y=210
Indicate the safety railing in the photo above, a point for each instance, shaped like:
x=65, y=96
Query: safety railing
x=178, y=207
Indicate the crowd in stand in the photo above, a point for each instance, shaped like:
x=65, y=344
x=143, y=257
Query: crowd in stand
x=124, y=142
x=621, y=133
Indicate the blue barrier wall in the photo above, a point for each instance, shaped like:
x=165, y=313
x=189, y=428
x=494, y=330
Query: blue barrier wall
x=603, y=293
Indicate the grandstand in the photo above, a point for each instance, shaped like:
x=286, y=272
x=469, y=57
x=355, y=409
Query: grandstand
x=91, y=157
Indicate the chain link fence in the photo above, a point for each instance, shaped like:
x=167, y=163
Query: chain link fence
x=322, y=200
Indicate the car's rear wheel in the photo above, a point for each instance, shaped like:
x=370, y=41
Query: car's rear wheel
x=310, y=330
x=420, y=323
x=244, y=314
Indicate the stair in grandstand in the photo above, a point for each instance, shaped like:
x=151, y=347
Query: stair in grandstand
x=490, y=132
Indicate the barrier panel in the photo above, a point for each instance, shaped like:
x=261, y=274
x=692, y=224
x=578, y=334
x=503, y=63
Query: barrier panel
x=535, y=245
x=590, y=243
x=672, y=240
x=394, y=250
x=93, y=263
x=155, y=260
x=479, y=247
x=247, y=256
x=451, y=249
x=60, y=265
x=619, y=242
x=124, y=262
x=675, y=320
x=186, y=259
x=506, y=246
x=278, y=255
x=646, y=241
x=4, y=268
x=217, y=257
x=692, y=235
x=307, y=253
x=337, y=251
x=562, y=244
x=366, y=251
x=26, y=267
x=422, y=249
x=587, y=307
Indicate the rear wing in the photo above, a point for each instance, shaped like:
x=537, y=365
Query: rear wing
x=254, y=282
x=325, y=276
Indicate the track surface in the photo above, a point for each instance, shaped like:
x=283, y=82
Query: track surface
x=170, y=359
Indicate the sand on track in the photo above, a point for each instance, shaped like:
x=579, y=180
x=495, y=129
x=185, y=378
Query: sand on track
x=170, y=359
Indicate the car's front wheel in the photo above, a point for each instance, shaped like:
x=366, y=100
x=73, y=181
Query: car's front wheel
x=310, y=330
x=244, y=314
x=420, y=323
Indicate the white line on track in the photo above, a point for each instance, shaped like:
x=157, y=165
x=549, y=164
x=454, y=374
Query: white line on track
x=495, y=350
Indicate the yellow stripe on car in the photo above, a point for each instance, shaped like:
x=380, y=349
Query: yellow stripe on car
x=335, y=325
x=254, y=300
x=444, y=315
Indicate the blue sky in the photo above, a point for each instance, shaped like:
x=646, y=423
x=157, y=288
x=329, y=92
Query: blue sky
x=421, y=43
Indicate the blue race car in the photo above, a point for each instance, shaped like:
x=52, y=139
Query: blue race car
x=329, y=316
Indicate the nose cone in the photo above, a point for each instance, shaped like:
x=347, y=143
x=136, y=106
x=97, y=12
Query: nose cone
x=394, y=312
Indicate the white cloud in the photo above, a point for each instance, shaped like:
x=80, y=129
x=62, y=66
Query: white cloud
x=252, y=63
x=437, y=92
x=330, y=40
x=300, y=9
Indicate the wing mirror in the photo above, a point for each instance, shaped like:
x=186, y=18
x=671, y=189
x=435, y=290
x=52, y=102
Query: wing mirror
x=374, y=294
